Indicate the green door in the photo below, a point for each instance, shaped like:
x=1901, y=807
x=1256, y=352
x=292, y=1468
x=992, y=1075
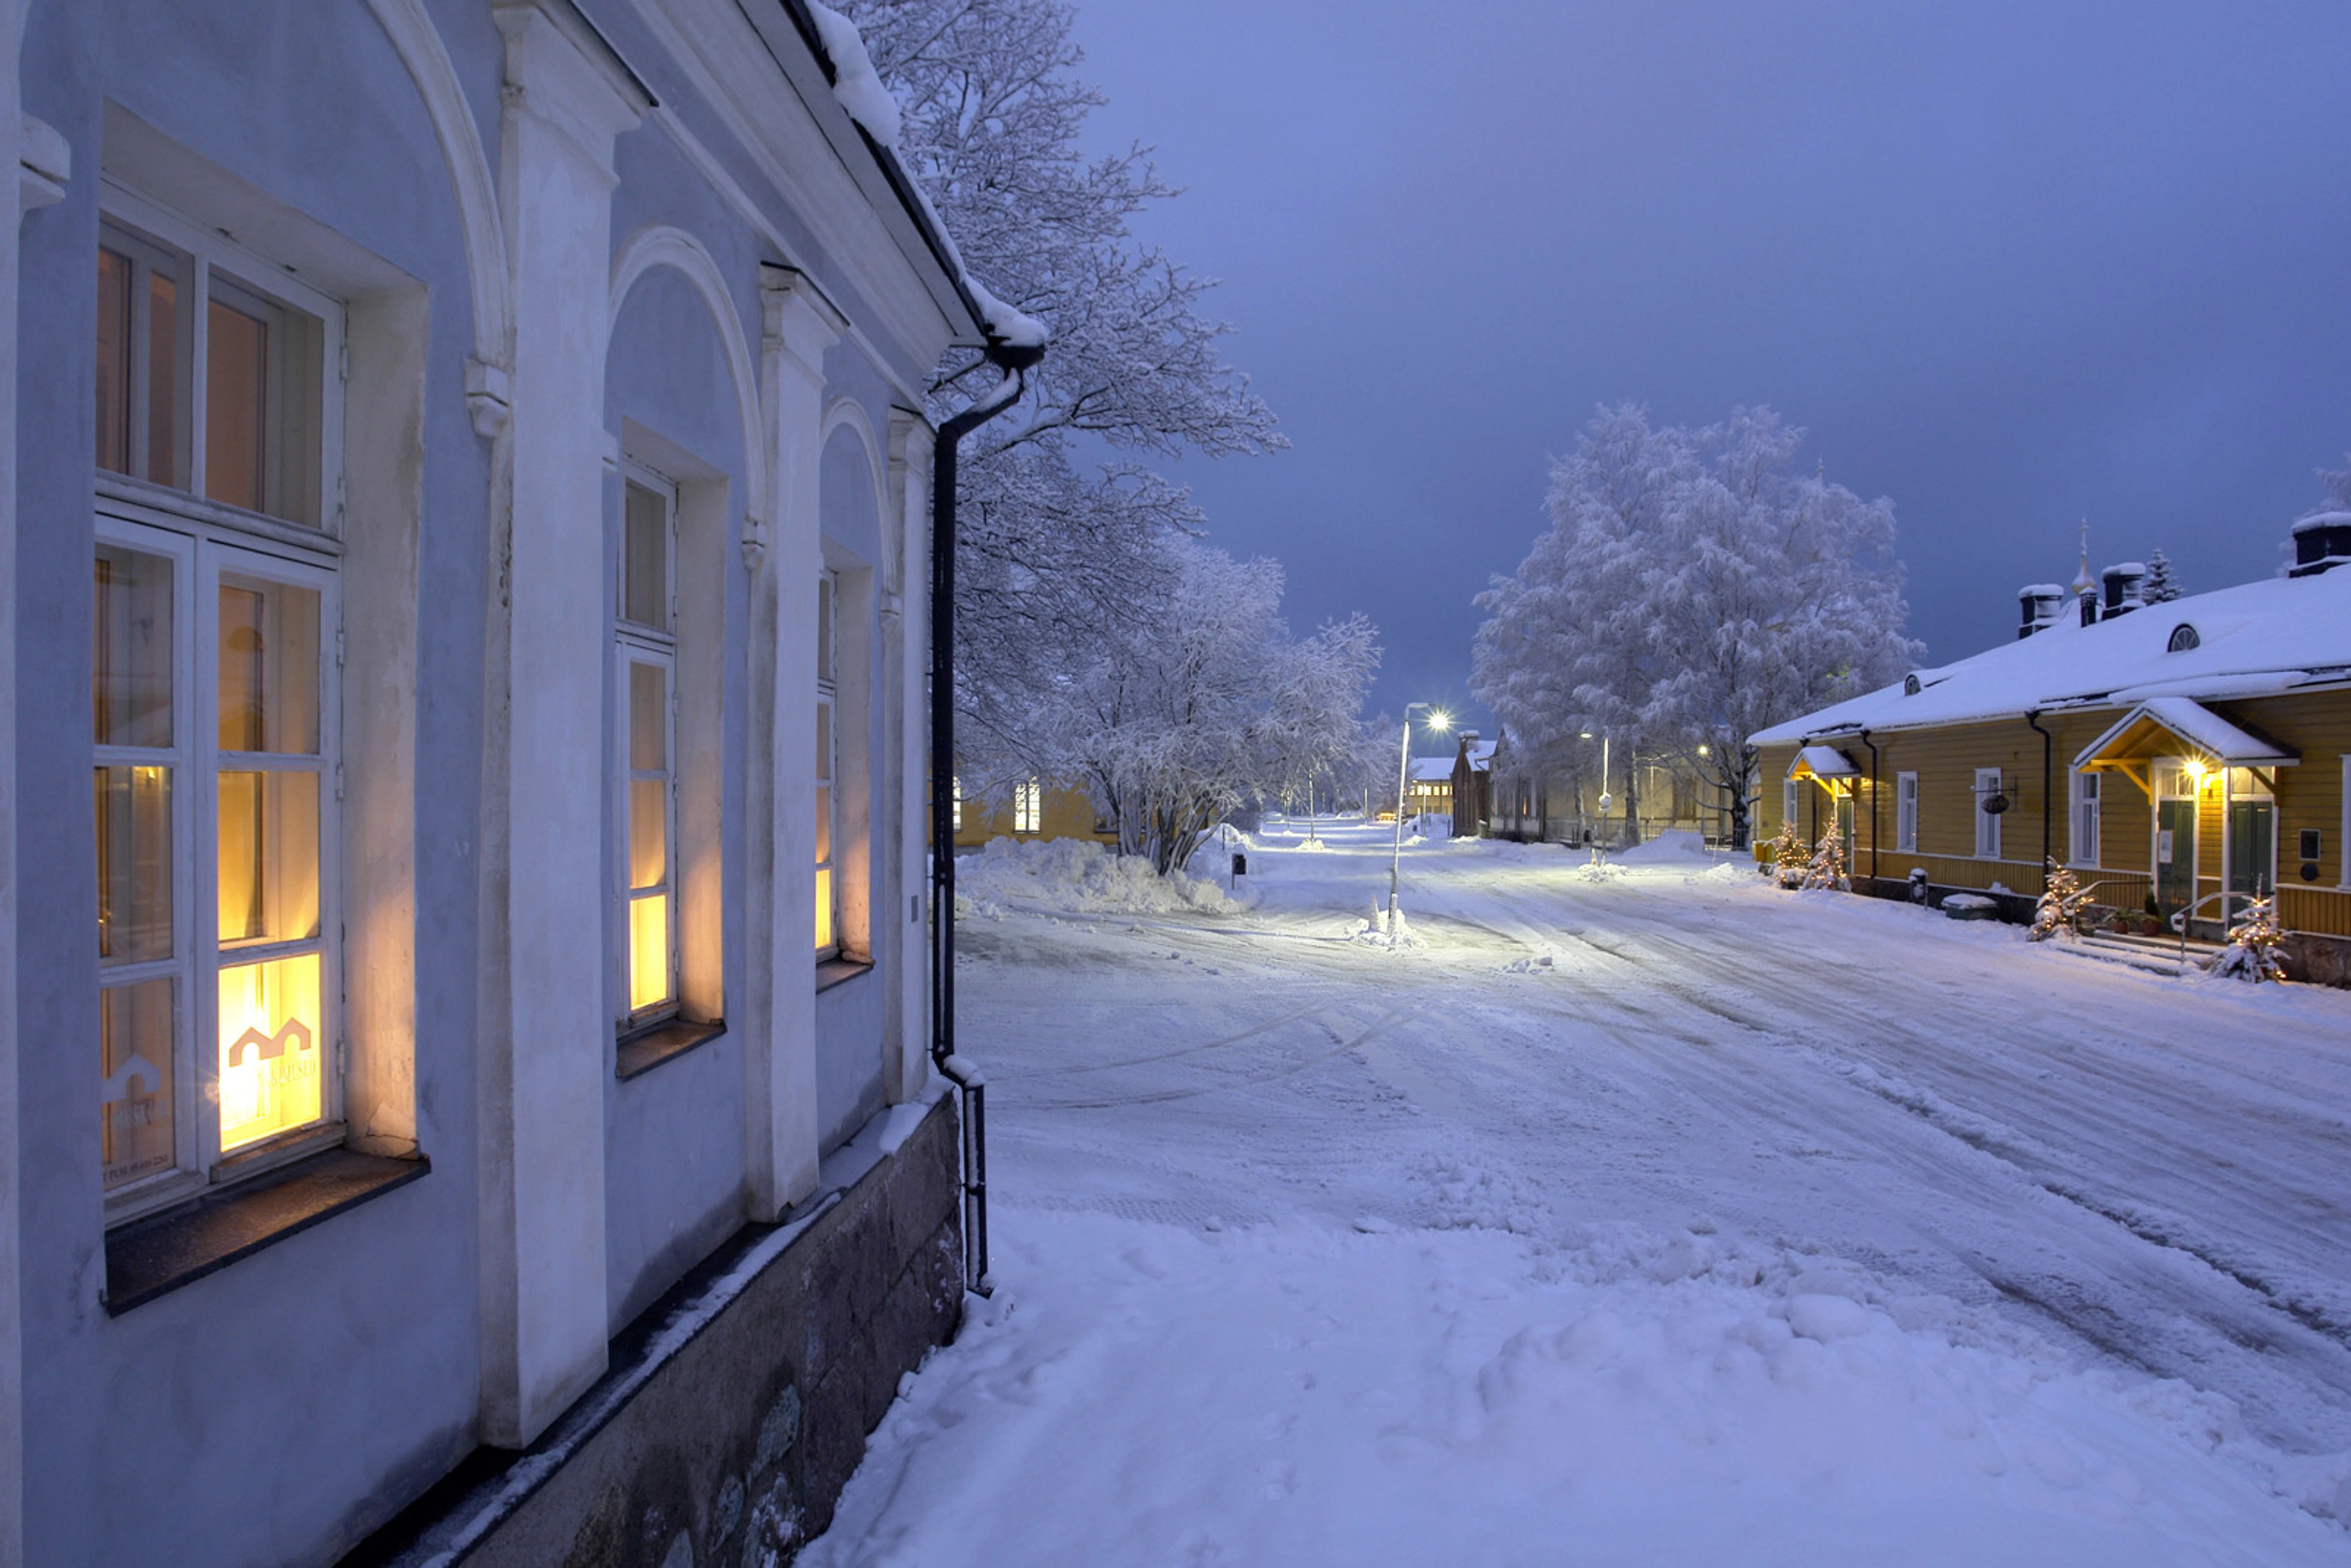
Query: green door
x=1844, y=829
x=2174, y=854
x=2252, y=837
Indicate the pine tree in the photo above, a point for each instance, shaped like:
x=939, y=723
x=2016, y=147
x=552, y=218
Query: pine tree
x=1788, y=856
x=2253, y=950
x=1827, y=868
x=2161, y=585
x=2062, y=903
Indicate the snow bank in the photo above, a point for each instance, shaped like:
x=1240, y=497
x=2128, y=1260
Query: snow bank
x=1673, y=845
x=1296, y=1394
x=855, y=82
x=1080, y=876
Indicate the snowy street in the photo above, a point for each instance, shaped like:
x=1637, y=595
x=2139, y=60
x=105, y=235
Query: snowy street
x=1621, y=1220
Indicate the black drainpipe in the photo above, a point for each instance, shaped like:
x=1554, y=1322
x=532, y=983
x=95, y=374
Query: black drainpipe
x=1014, y=360
x=1873, y=804
x=2048, y=813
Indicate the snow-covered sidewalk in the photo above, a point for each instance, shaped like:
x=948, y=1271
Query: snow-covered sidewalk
x=1623, y=1219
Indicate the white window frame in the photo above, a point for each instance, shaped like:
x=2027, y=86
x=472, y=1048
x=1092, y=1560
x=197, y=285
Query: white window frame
x=2343, y=831
x=1792, y=803
x=203, y=250
x=1905, y=813
x=2087, y=826
x=636, y=643
x=1988, y=784
x=201, y=549
x=202, y=538
x=828, y=778
x=1029, y=806
x=957, y=802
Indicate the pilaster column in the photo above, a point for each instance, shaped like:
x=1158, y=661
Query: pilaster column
x=547, y=1026
x=41, y=160
x=780, y=1046
x=906, y=679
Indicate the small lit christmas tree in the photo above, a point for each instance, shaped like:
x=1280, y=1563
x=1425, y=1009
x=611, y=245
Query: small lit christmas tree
x=1827, y=869
x=1788, y=856
x=2253, y=950
x=2161, y=585
x=2062, y=903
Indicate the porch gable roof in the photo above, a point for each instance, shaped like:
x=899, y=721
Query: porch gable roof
x=2169, y=726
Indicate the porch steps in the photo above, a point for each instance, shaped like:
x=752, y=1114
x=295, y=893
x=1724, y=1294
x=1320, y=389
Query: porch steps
x=2153, y=955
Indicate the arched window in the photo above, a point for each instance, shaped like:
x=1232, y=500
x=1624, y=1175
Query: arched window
x=2183, y=637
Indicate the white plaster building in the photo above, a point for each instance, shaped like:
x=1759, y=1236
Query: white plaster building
x=465, y=502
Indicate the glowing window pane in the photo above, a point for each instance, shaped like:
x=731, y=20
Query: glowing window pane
x=823, y=824
x=824, y=907
x=236, y=407
x=134, y=864
x=113, y=361
x=268, y=866
x=270, y=1049
x=130, y=655
x=648, y=832
x=135, y=1128
x=648, y=716
x=268, y=666
x=644, y=558
x=648, y=952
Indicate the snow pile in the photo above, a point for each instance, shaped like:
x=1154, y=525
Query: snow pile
x=855, y=80
x=1307, y=1394
x=1080, y=876
x=1671, y=847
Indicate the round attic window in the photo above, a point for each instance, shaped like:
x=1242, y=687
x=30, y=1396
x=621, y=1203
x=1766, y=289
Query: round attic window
x=2183, y=637
x=1909, y=685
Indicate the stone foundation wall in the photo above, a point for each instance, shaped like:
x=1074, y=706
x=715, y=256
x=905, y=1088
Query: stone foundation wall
x=738, y=1406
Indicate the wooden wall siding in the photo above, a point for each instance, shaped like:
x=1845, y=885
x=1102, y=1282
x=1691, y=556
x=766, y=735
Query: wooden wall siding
x=2317, y=724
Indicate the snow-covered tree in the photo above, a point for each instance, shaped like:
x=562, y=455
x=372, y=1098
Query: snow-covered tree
x=2162, y=583
x=2253, y=942
x=1053, y=548
x=1695, y=586
x=1203, y=701
x=2061, y=904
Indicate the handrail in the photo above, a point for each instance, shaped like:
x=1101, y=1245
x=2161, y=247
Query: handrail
x=2180, y=916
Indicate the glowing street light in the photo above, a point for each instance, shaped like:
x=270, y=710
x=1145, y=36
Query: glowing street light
x=1438, y=722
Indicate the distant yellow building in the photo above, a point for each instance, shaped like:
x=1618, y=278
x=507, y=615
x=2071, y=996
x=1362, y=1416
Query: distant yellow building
x=1038, y=809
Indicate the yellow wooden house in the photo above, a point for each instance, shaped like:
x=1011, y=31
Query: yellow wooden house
x=2186, y=755
x=1036, y=809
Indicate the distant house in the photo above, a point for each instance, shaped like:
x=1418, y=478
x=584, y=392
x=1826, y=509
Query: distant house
x=1428, y=787
x=1533, y=803
x=2182, y=756
x=1035, y=808
x=1472, y=764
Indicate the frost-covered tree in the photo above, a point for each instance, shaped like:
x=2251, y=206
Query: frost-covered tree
x=1205, y=701
x=1053, y=546
x=2162, y=583
x=2061, y=904
x=1788, y=864
x=1695, y=586
x=1827, y=867
x=2253, y=942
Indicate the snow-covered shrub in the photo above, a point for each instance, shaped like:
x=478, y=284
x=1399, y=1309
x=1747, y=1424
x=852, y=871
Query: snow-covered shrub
x=2253, y=950
x=2062, y=903
x=1081, y=876
x=1827, y=867
x=1788, y=856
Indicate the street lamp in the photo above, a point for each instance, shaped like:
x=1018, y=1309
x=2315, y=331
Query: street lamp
x=1437, y=721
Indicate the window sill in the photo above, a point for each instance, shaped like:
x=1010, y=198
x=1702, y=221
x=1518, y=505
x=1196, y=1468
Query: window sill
x=156, y=1256
x=832, y=972
x=648, y=1048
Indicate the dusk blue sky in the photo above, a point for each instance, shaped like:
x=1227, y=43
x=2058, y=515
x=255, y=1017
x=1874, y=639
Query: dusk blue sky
x=2012, y=265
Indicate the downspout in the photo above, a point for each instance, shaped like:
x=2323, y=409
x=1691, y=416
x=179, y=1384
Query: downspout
x=1014, y=360
x=1873, y=805
x=2048, y=812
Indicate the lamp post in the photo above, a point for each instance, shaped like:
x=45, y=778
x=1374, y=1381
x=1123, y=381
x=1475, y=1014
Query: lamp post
x=1438, y=722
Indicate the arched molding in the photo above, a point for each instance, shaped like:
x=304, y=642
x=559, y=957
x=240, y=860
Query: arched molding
x=663, y=245
x=419, y=46
x=845, y=410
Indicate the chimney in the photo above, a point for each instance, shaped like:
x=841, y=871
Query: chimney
x=2321, y=540
x=2125, y=588
x=2038, y=604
